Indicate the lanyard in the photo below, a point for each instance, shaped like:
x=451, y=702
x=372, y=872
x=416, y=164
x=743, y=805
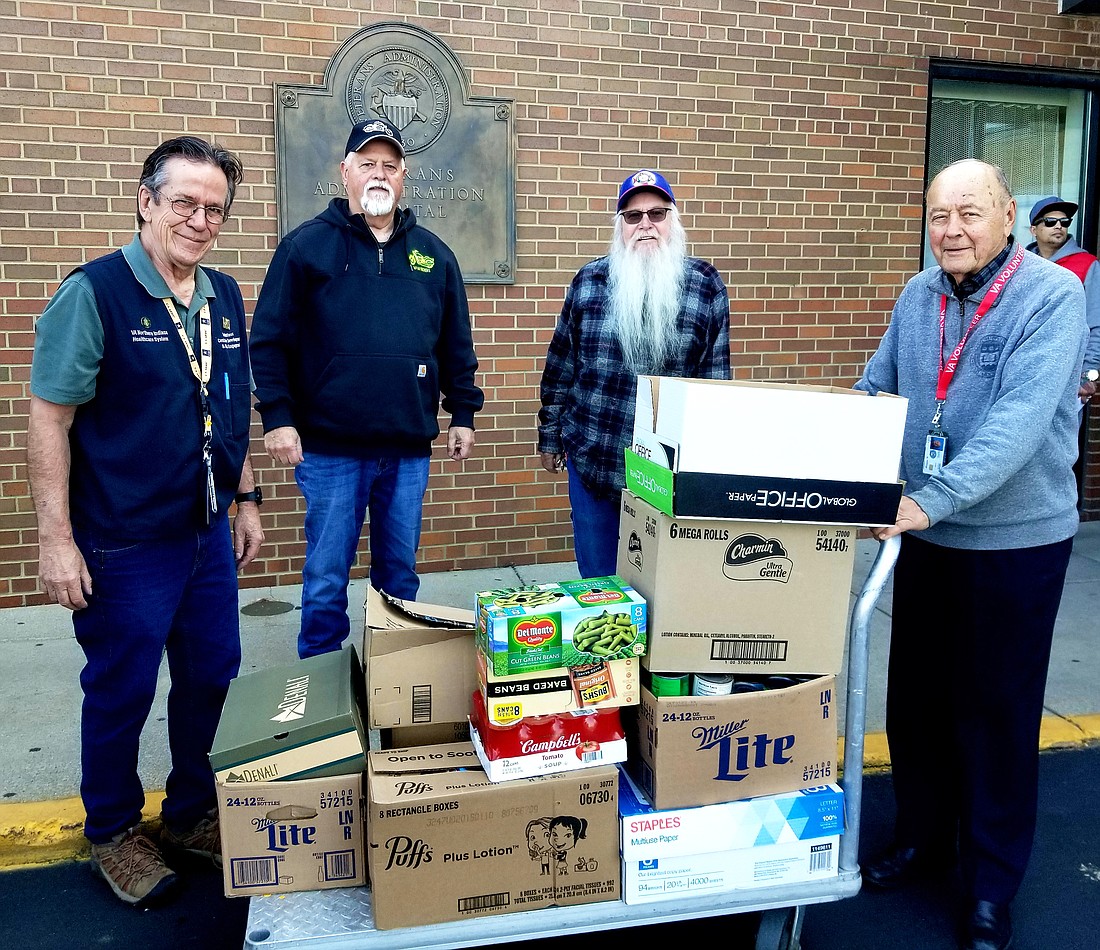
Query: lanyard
x=947, y=369
x=200, y=369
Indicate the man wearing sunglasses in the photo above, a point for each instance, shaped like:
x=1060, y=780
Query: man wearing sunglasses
x=646, y=308
x=1051, y=218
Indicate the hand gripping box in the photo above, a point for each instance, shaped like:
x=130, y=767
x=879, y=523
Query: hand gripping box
x=731, y=596
x=569, y=623
x=789, y=838
x=700, y=750
x=301, y=720
x=419, y=665
x=766, y=451
x=444, y=843
x=300, y=835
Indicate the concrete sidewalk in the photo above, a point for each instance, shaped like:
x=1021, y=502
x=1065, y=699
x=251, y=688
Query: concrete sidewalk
x=41, y=817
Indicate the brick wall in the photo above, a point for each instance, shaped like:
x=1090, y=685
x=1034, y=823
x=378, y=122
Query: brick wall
x=793, y=135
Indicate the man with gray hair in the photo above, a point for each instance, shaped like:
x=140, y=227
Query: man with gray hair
x=646, y=308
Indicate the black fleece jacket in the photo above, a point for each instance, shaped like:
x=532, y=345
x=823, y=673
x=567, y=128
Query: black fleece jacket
x=352, y=342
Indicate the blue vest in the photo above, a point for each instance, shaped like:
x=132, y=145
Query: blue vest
x=137, y=470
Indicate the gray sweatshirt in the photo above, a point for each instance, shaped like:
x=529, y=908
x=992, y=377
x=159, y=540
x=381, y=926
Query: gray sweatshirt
x=1011, y=410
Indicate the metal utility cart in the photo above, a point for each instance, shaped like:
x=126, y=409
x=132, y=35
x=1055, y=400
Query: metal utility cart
x=342, y=919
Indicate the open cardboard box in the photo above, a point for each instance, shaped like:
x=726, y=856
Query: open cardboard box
x=766, y=451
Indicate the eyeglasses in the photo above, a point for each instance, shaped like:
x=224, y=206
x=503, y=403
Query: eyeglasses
x=1051, y=222
x=656, y=215
x=185, y=207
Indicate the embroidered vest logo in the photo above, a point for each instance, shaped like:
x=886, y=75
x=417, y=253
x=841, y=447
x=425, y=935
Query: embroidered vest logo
x=421, y=262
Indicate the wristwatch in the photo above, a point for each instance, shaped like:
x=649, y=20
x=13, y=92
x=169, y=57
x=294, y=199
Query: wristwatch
x=255, y=495
x=1090, y=376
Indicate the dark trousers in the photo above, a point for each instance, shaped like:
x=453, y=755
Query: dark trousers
x=173, y=598
x=969, y=649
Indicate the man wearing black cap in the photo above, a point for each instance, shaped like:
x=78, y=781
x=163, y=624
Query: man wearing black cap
x=1050, y=219
x=361, y=324
x=645, y=308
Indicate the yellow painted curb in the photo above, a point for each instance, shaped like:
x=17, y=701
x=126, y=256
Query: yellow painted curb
x=44, y=832
x=34, y=833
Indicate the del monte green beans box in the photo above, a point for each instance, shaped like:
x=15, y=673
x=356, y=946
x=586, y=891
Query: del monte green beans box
x=561, y=624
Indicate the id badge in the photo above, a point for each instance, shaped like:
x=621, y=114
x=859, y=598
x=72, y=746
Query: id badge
x=935, y=452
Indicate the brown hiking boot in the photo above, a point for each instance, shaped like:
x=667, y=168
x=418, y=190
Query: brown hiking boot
x=203, y=841
x=131, y=864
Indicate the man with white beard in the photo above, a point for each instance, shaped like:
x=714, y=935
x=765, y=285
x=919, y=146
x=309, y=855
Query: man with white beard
x=647, y=308
x=349, y=367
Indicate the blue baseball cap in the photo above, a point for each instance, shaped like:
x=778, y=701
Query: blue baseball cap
x=644, y=180
x=367, y=130
x=1050, y=203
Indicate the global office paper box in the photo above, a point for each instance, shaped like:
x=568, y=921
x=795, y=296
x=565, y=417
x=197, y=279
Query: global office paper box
x=789, y=838
x=766, y=451
x=731, y=596
x=299, y=835
x=444, y=843
x=418, y=662
x=700, y=750
x=300, y=720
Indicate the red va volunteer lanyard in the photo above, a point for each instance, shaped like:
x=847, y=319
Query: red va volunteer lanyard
x=936, y=443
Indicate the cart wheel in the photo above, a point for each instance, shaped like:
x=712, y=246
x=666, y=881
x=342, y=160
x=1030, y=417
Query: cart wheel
x=779, y=929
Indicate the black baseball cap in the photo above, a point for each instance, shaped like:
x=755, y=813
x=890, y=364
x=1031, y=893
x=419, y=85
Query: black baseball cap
x=367, y=130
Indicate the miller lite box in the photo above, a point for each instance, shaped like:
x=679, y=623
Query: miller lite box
x=700, y=750
x=731, y=596
x=301, y=720
x=301, y=835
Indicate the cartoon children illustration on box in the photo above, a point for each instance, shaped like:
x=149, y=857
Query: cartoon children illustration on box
x=565, y=832
x=538, y=842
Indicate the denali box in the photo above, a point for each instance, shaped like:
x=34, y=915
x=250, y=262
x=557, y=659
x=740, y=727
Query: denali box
x=738, y=596
x=598, y=685
x=300, y=835
x=699, y=750
x=302, y=720
x=444, y=843
x=787, y=838
x=418, y=661
x=570, y=623
x=766, y=451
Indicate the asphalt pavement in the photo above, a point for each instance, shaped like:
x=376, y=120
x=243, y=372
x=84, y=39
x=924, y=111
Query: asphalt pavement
x=51, y=898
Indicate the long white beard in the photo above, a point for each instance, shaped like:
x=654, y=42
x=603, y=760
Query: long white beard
x=644, y=289
x=374, y=202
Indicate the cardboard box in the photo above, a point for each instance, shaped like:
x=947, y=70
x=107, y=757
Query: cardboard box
x=788, y=838
x=570, y=623
x=300, y=835
x=301, y=720
x=601, y=685
x=563, y=742
x=766, y=451
x=418, y=661
x=445, y=843
x=699, y=750
x=738, y=596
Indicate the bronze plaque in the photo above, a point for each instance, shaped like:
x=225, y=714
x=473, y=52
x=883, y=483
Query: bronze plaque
x=459, y=151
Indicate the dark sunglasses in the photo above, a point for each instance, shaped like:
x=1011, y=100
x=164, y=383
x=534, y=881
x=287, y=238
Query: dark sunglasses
x=656, y=215
x=1065, y=222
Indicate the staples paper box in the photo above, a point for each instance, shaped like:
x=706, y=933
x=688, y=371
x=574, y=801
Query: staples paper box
x=419, y=662
x=738, y=596
x=699, y=750
x=756, y=842
x=445, y=843
x=596, y=685
x=301, y=835
x=570, y=623
x=774, y=451
x=302, y=720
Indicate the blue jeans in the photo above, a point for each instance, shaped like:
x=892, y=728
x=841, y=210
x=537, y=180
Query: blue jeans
x=338, y=492
x=595, y=528
x=176, y=598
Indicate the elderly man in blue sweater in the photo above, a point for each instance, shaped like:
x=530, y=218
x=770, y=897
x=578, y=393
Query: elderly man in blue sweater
x=987, y=346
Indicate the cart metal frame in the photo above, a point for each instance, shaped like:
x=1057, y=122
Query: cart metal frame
x=342, y=919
